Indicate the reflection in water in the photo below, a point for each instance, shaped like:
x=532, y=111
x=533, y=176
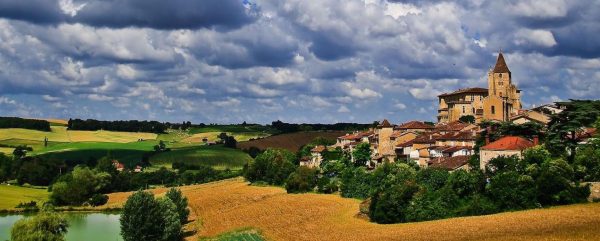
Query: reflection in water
x=82, y=226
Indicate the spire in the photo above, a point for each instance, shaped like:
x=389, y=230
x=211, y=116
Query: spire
x=501, y=66
x=385, y=124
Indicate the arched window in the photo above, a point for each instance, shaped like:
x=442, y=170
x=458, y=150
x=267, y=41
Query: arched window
x=473, y=110
x=500, y=75
x=500, y=94
x=493, y=109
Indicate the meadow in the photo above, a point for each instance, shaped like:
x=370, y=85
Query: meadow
x=232, y=204
x=11, y=196
x=217, y=157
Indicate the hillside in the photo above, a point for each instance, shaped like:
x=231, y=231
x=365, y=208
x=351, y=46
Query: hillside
x=218, y=157
x=291, y=141
x=233, y=204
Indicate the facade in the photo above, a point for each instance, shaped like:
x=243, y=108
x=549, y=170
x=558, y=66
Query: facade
x=499, y=101
x=316, y=157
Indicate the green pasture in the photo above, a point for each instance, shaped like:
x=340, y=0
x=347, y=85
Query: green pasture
x=218, y=157
x=11, y=196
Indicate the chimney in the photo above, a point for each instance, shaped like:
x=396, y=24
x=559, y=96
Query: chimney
x=536, y=140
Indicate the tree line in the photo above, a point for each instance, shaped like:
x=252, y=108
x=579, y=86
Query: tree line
x=15, y=122
x=283, y=127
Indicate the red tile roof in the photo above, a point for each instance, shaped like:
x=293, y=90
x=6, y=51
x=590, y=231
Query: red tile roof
x=449, y=163
x=452, y=126
x=459, y=136
x=356, y=136
x=415, y=125
x=426, y=138
x=385, y=124
x=509, y=143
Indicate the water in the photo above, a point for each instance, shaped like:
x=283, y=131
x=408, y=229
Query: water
x=82, y=226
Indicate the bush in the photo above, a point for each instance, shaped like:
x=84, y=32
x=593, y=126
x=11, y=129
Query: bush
x=302, y=180
x=389, y=205
x=356, y=183
x=512, y=191
x=146, y=218
x=98, y=200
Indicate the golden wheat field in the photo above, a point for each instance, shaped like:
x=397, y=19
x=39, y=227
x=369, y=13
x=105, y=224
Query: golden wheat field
x=61, y=134
x=232, y=204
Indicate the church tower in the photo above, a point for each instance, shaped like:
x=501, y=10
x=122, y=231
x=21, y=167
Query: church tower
x=499, y=78
x=501, y=88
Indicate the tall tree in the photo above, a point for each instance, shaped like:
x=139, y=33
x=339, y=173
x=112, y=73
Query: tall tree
x=362, y=154
x=564, y=126
x=181, y=203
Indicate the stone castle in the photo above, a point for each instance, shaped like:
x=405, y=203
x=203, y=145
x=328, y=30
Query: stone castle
x=499, y=102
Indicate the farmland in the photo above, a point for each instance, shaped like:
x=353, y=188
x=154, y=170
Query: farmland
x=215, y=156
x=13, y=195
x=233, y=204
x=61, y=134
x=292, y=141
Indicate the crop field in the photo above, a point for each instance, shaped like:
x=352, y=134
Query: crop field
x=11, y=196
x=61, y=134
x=216, y=156
x=124, y=152
x=292, y=141
x=232, y=204
x=6, y=150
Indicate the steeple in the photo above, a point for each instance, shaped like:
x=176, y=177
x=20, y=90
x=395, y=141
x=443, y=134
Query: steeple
x=501, y=66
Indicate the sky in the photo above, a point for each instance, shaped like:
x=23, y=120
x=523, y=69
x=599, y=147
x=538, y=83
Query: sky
x=326, y=61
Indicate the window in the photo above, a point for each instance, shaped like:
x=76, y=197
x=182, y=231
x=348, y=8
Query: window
x=473, y=110
x=500, y=75
x=480, y=98
x=500, y=94
x=493, y=109
x=463, y=109
x=500, y=83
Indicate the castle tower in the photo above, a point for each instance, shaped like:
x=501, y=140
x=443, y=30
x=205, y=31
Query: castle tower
x=385, y=146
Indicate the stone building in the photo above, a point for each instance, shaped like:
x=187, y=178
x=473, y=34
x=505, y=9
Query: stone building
x=505, y=146
x=499, y=101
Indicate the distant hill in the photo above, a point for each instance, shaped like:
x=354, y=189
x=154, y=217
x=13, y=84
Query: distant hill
x=291, y=141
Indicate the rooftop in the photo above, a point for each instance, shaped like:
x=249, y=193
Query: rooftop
x=449, y=163
x=501, y=66
x=467, y=90
x=509, y=143
x=415, y=125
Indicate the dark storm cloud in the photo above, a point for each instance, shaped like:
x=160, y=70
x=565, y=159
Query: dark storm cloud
x=157, y=14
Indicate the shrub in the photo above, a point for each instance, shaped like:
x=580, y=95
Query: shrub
x=304, y=179
x=181, y=203
x=98, y=200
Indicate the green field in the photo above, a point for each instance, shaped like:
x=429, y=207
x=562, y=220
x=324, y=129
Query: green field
x=216, y=156
x=242, y=235
x=11, y=196
x=128, y=153
x=231, y=129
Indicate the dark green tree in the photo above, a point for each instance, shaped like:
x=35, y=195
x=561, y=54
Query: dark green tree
x=304, y=179
x=564, y=126
x=467, y=119
x=142, y=218
x=181, y=203
x=362, y=154
x=272, y=166
x=45, y=226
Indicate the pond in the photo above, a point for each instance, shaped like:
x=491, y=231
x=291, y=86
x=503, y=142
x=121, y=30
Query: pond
x=82, y=226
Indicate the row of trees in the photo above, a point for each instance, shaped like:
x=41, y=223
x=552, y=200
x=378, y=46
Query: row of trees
x=126, y=126
x=15, y=122
x=283, y=127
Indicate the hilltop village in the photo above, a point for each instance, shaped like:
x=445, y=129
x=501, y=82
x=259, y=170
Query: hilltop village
x=449, y=144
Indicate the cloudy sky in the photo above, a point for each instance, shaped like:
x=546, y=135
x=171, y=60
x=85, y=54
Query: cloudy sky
x=228, y=61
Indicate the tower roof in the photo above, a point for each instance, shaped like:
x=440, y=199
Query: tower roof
x=385, y=124
x=501, y=66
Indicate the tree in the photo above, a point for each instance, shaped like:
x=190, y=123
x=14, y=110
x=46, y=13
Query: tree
x=171, y=220
x=555, y=184
x=272, y=166
x=45, y=226
x=79, y=186
x=362, y=154
x=467, y=119
x=356, y=183
x=20, y=151
x=563, y=127
x=389, y=205
x=143, y=218
x=6, y=166
x=304, y=179
x=513, y=191
x=181, y=204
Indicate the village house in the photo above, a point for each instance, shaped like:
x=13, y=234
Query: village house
x=316, y=157
x=451, y=163
x=499, y=102
x=505, y=146
x=118, y=165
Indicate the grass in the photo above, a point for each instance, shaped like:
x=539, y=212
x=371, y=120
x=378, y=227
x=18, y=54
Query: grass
x=11, y=196
x=216, y=156
x=291, y=141
x=233, y=204
x=128, y=153
x=231, y=129
x=61, y=134
x=247, y=234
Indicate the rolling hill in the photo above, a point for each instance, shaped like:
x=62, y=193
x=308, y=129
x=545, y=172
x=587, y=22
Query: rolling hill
x=232, y=204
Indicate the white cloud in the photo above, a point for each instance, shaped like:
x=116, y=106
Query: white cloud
x=343, y=109
x=543, y=38
x=69, y=8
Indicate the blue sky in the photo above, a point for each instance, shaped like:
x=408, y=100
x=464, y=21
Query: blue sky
x=226, y=61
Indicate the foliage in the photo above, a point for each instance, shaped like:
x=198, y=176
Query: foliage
x=467, y=119
x=362, y=154
x=79, y=186
x=272, y=166
x=228, y=141
x=355, y=183
x=125, y=126
x=36, y=171
x=304, y=179
x=587, y=162
x=146, y=218
x=389, y=205
x=433, y=178
x=45, y=226
x=14, y=122
x=98, y=199
x=555, y=185
x=181, y=204
x=283, y=127
x=513, y=191
x=564, y=126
